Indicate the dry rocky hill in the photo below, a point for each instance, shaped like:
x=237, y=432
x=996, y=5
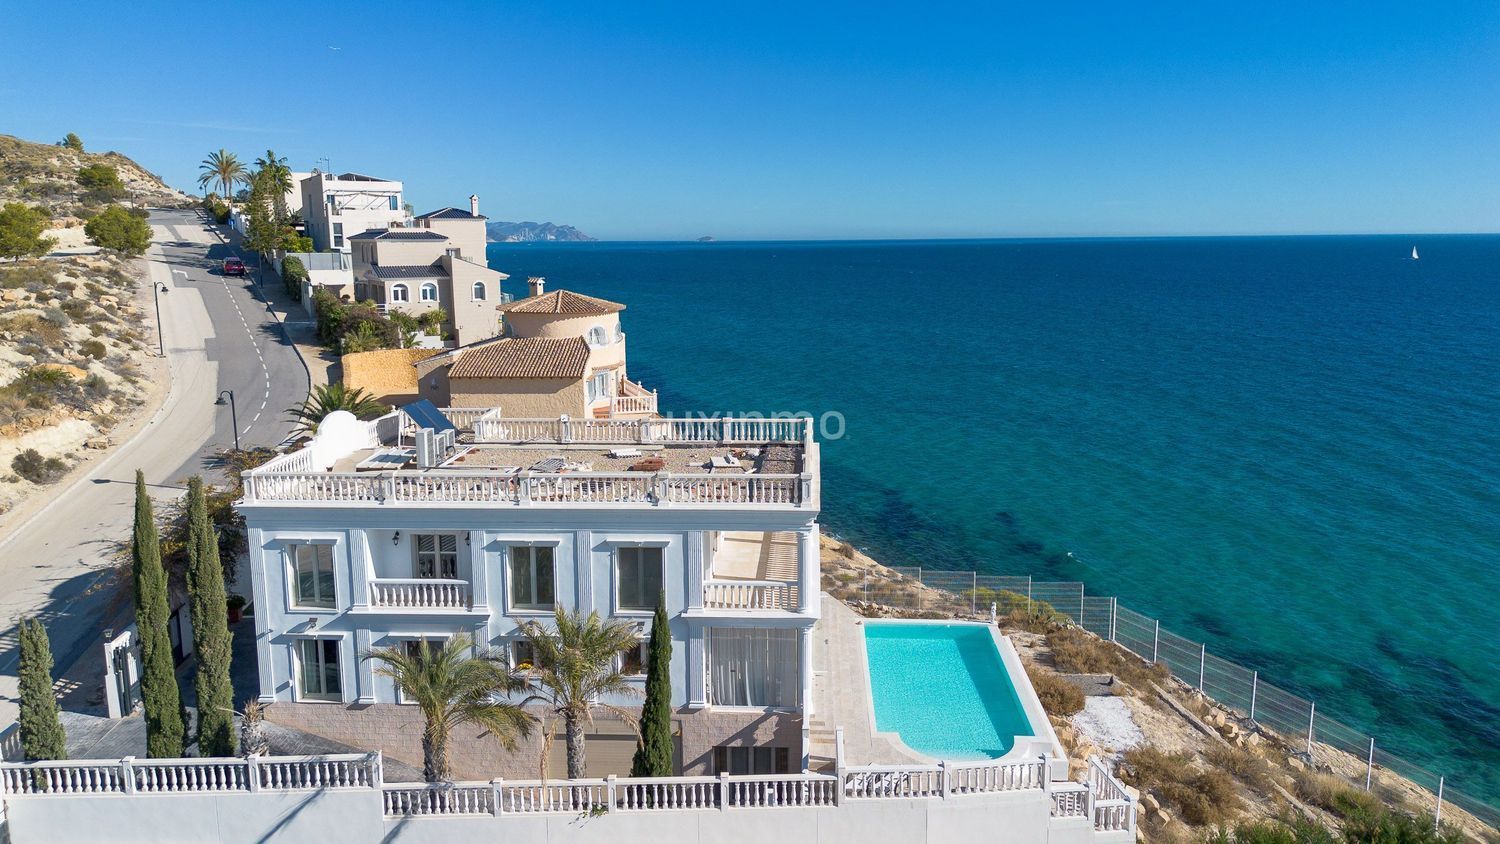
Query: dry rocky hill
x=46, y=175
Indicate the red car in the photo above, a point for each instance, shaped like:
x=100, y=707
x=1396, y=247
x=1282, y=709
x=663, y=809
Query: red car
x=234, y=266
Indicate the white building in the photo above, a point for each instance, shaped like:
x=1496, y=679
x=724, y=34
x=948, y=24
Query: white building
x=338, y=207
x=358, y=542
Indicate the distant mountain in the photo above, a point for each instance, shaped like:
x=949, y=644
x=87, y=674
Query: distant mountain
x=525, y=232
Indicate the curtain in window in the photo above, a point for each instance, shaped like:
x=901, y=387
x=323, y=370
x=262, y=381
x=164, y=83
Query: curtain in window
x=754, y=667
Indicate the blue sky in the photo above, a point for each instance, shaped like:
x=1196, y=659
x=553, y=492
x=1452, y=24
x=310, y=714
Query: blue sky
x=808, y=120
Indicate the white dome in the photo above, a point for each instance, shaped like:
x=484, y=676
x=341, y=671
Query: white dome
x=339, y=435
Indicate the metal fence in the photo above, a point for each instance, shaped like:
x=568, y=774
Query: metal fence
x=1296, y=718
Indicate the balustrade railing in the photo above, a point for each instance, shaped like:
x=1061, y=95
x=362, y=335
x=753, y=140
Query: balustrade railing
x=419, y=593
x=1113, y=807
x=1070, y=800
x=749, y=595
x=661, y=793
x=715, y=430
x=190, y=776
x=543, y=797
x=405, y=801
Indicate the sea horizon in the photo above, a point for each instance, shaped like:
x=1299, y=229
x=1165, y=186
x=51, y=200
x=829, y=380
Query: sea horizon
x=996, y=238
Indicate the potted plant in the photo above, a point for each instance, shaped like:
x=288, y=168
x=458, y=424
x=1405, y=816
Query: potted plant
x=236, y=606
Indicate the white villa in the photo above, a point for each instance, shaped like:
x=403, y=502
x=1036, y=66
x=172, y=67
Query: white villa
x=384, y=533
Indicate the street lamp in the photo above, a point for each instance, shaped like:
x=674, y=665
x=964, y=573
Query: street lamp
x=157, y=288
x=234, y=416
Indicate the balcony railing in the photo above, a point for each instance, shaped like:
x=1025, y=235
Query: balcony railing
x=633, y=400
x=708, y=431
x=419, y=593
x=530, y=489
x=749, y=595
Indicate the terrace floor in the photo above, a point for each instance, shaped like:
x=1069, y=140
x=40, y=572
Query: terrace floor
x=841, y=693
x=756, y=555
x=682, y=459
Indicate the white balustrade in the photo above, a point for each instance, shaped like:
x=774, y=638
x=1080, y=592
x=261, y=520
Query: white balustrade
x=885, y=781
x=944, y=779
x=419, y=593
x=1070, y=800
x=749, y=595
x=659, y=793
x=774, y=790
x=542, y=797
x=438, y=799
x=987, y=777
x=1114, y=808
x=189, y=776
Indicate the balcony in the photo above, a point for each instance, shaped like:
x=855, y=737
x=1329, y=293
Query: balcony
x=420, y=593
x=751, y=570
x=633, y=401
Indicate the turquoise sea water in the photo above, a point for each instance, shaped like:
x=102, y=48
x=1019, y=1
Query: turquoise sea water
x=944, y=689
x=1285, y=447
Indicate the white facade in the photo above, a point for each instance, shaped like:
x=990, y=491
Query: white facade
x=337, y=207
x=348, y=560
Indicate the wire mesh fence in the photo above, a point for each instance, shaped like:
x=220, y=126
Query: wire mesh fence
x=1296, y=718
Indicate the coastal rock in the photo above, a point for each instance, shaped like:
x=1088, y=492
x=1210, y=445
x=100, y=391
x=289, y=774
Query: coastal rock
x=99, y=443
x=108, y=302
x=13, y=295
x=1150, y=804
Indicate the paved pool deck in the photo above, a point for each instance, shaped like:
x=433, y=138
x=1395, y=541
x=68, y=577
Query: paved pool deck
x=841, y=692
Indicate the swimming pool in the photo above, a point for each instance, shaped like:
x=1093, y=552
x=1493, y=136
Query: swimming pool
x=948, y=690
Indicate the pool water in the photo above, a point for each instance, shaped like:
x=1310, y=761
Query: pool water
x=944, y=689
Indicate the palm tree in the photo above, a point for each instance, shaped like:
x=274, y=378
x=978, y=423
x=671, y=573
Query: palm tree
x=279, y=177
x=575, y=665
x=223, y=167
x=326, y=398
x=453, y=685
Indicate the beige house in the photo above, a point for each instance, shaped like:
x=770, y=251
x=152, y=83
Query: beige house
x=437, y=261
x=562, y=353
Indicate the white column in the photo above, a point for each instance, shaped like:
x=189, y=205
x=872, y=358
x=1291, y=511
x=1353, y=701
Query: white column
x=361, y=568
x=267, y=561
x=364, y=670
x=695, y=542
x=697, y=666
x=479, y=572
x=809, y=571
x=807, y=673
x=583, y=571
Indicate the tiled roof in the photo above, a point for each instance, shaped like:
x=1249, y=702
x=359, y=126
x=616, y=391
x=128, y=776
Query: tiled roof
x=398, y=234
x=524, y=357
x=450, y=214
x=429, y=271
x=563, y=302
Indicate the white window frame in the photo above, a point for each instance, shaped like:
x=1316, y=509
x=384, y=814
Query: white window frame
x=301, y=696
x=616, y=581
x=514, y=659
x=427, y=286
x=402, y=640
x=437, y=552
x=643, y=642
x=477, y=291
x=400, y=293
x=289, y=566
x=338, y=235
x=598, y=336
x=513, y=606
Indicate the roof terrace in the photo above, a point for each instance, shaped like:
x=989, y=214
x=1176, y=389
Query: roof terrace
x=746, y=463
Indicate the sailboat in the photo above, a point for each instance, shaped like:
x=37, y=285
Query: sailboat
x=1414, y=254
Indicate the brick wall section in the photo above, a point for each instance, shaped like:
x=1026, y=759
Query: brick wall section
x=396, y=731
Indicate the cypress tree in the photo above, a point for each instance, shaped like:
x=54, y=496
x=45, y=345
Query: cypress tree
x=42, y=735
x=653, y=751
x=163, y=703
x=211, y=639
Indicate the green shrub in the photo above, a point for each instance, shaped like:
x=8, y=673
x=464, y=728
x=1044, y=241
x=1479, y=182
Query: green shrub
x=1327, y=791
x=293, y=274
x=119, y=230
x=72, y=142
x=76, y=308
x=1288, y=830
x=101, y=182
x=1075, y=650
x=21, y=230
x=1058, y=696
x=31, y=465
x=1200, y=797
x=1244, y=765
x=1386, y=827
x=93, y=349
x=36, y=275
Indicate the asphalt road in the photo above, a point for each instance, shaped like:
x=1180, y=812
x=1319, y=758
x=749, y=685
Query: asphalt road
x=219, y=335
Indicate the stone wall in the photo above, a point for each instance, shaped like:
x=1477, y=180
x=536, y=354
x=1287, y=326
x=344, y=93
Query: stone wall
x=387, y=374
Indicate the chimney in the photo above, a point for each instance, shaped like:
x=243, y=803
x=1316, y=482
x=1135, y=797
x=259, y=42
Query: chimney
x=536, y=283
x=474, y=204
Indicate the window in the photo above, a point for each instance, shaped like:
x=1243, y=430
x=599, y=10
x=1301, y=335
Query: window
x=737, y=761
x=598, y=386
x=598, y=336
x=338, y=235
x=413, y=648
x=319, y=676
x=638, y=581
x=399, y=293
x=633, y=661
x=394, y=201
x=754, y=667
x=479, y=291
x=429, y=292
x=522, y=655
x=531, y=577
x=313, y=576
x=619, y=333
x=437, y=555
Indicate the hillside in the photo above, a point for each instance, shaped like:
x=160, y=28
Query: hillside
x=528, y=231
x=46, y=175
